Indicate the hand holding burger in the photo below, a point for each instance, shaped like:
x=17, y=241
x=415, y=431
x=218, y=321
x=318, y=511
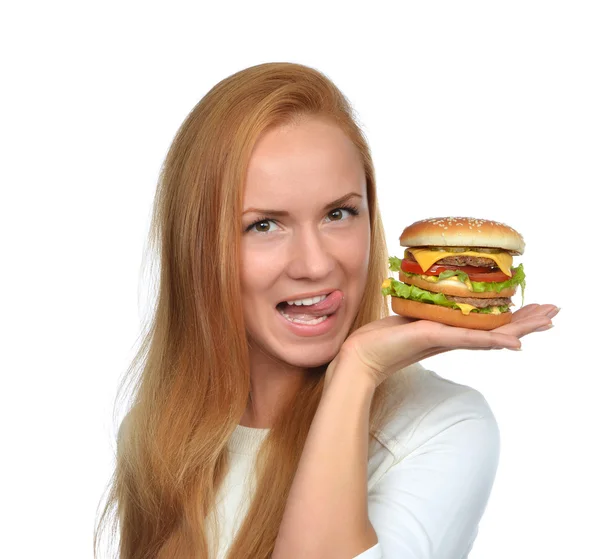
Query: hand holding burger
x=458, y=271
x=455, y=272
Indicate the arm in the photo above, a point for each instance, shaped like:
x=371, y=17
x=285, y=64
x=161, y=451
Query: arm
x=428, y=504
x=326, y=511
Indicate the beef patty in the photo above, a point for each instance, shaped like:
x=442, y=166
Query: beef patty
x=480, y=303
x=460, y=261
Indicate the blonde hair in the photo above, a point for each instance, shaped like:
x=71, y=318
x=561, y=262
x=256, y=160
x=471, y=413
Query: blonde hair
x=195, y=378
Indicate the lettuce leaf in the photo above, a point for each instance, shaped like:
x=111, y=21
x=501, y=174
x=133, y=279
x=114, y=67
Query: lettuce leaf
x=518, y=278
x=394, y=263
x=414, y=293
x=396, y=288
x=488, y=310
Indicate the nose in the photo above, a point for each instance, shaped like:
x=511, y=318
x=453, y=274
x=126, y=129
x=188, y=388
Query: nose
x=310, y=255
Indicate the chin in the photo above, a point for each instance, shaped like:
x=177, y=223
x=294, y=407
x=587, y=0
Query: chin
x=299, y=359
x=319, y=356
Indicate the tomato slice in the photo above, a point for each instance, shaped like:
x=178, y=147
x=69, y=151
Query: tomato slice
x=475, y=273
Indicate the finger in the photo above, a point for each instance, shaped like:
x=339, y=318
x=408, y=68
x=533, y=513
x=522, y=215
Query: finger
x=436, y=351
x=525, y=326
x=525, y=311
x=541, y=310
x=433, y=336
x=553, y=312
x=538, y=319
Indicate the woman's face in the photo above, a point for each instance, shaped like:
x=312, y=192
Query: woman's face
x=315, y=248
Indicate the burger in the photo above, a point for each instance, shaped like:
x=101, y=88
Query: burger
x=458, y=271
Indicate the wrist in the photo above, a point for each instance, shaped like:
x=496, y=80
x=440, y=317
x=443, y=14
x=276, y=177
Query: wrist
x=345, y=372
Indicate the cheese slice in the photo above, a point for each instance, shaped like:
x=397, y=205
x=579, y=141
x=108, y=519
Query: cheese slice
x=464, y=308
x=427, y=258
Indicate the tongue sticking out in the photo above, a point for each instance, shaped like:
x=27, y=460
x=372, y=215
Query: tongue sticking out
x=327, y=306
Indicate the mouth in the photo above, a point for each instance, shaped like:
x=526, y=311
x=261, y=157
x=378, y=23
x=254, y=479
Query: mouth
x=326, y=307
x=308, y=321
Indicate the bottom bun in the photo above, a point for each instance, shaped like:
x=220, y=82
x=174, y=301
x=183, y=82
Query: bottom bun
x=446, y=315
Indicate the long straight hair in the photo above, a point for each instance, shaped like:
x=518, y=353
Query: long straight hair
x=191, y=374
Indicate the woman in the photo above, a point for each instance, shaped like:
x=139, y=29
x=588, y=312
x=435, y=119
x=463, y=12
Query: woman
x=254, y=436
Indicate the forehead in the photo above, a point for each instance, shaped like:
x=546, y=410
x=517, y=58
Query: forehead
x=311, y=159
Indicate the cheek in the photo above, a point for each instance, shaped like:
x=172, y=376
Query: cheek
x=358, y=252
x=258, y=269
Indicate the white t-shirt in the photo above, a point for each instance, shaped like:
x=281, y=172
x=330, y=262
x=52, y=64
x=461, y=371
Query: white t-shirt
x=429, y=479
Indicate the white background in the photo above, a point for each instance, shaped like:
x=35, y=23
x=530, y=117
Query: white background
x=471, y=108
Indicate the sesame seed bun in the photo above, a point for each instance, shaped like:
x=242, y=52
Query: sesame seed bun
x=462, y=232
x=451, y=317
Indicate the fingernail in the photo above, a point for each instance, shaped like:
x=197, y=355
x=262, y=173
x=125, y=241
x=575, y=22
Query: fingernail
x=515, y=349
x=544, y=328
x=553, y=312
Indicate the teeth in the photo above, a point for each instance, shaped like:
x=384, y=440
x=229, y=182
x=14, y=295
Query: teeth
x=309, y=301
x=310, y=322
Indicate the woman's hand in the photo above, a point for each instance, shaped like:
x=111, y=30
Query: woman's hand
x=384, y=346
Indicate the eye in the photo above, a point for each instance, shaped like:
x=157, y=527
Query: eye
x=353, y=210
x=261, y=221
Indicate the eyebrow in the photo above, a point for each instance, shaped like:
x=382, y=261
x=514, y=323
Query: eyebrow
x=333, y=204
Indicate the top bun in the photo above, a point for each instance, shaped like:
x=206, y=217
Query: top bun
x=462, y=232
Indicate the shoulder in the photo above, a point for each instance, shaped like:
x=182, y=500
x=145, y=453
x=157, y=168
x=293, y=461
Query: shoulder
x=432, y=407
x=431, y=478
